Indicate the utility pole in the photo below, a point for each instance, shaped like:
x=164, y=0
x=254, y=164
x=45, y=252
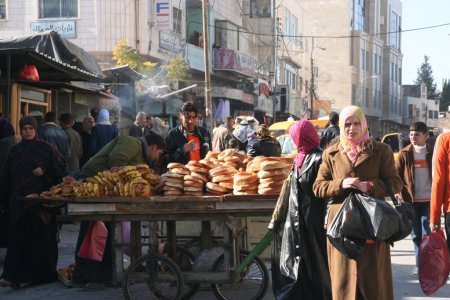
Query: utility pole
x=208, y=100
x=275, y=63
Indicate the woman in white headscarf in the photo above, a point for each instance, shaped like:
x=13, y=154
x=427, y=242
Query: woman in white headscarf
x=102, y=133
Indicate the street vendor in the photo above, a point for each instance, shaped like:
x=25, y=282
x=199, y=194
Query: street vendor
x=188, y=141
x=121, y=151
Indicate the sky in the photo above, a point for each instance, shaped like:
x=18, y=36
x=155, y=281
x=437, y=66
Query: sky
x=433, y=42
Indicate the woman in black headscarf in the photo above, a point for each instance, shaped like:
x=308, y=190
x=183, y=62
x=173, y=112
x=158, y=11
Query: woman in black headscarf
x=7, y=139
x=32, y=166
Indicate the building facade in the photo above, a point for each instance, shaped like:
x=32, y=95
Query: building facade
x=362, y=64
x=417, y=108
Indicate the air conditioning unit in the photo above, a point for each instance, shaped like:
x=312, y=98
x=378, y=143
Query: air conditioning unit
x=381, y=20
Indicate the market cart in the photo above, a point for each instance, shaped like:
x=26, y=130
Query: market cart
x=227, y=209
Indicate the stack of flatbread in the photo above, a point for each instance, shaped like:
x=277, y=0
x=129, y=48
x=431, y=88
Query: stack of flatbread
x=245, y=183
x=174, y=179
x=221, y=181
x=271, y=176
x=195, y=181
x=231, y=158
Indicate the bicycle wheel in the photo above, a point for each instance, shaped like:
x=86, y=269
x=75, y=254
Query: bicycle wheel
x=155, y=277
x=250, y=285
x=185, y=261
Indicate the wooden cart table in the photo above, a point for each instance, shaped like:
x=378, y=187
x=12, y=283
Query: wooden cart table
x=226, y=209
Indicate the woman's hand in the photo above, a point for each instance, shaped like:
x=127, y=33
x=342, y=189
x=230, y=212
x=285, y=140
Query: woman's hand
x=357, y=184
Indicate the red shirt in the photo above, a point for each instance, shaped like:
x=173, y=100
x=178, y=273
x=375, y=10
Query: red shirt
x=194, y=154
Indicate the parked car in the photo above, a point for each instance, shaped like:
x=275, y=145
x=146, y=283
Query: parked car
x=281, y=131
x=396, y=141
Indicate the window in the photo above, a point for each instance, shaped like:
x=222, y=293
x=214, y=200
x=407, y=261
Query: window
x=176, y=20
x=227, y=35
x=395, y=30
x=2, y=9
x=291, y=76
x=361, y=23
x=290, y=25
x=58, y=9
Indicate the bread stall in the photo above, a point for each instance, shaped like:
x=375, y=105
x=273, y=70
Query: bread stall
x=225, y=188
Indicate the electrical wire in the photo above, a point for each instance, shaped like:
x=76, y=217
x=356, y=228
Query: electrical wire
x=340, y=36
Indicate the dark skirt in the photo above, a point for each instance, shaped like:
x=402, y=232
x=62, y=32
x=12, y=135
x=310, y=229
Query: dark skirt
x=32, y=251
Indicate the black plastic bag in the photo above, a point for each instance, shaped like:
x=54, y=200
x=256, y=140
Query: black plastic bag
x=380, y=220
x=350, y=247
x=283, y=287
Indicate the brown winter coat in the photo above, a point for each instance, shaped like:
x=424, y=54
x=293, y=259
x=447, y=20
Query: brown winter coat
x=405, y=168
x=370, y=275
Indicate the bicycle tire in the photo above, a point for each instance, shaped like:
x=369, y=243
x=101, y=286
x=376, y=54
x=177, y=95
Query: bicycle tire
x=241, y=287
x=140, y=281
x=185, y=261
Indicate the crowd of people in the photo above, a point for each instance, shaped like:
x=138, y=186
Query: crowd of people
x=325, y=168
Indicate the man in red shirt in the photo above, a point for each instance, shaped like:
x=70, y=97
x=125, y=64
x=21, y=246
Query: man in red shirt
x=187, y=141
x=440, y=191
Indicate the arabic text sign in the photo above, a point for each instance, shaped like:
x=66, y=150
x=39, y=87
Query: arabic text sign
x=64, y=28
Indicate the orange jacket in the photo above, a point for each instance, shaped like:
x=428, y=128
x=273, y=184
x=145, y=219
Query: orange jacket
x=440, y=190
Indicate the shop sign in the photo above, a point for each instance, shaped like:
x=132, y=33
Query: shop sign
x=163, y=14
x=64, y=28
x=169, y=41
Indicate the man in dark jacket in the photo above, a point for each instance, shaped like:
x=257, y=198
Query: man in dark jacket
x=264, y=144
x=332, y=131
x=51, y=133
x=187, y=141
x=138, y=127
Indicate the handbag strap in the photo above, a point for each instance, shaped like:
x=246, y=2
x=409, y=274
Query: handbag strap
x=388, y=186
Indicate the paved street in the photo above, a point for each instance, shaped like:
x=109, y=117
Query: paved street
x=406, y=285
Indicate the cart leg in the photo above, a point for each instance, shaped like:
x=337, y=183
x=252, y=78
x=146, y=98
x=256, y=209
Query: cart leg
x=117, y=252
x=135, y=240
x=206, y=234
x=172, y=239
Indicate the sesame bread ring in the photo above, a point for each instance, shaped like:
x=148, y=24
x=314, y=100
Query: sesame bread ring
x=207, y=162
x=224, y=153
x=183, y=171
x=248, y=192
x=220, y=178
x=216, y=187
x=202, y=177
x=173, y=175
x=230, y=164
x=271, y=173
x=192, y=189
x=213, y=192
x=243, y=178
x=233, y=159
x=171, y=188
x=175, y=165
x=245, y=187
x=173, y=193
x=269, y=191
x=172, y=179
x=174, y=184
x=272, y=165
x=276, y=178
x=212, y=154
x=189, y=193
x=223, y=171
x=190, y=183
x=192, y=178
x=196, y=169
x=270, y=185
x=226, y=184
